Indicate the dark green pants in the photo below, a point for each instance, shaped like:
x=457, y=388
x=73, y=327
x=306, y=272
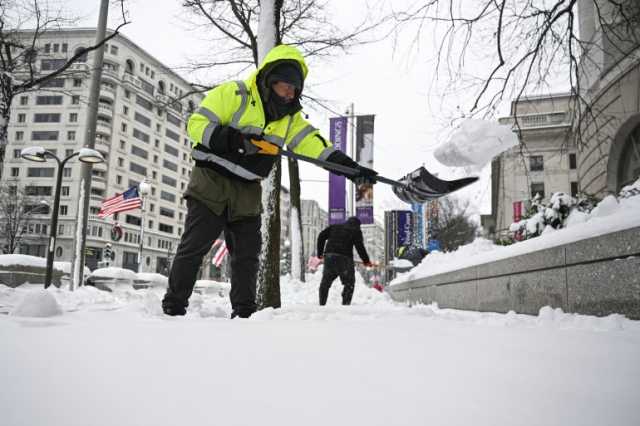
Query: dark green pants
x=202, y=227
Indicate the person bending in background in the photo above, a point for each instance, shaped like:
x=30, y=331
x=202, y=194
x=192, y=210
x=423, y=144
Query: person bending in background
x=338, y=257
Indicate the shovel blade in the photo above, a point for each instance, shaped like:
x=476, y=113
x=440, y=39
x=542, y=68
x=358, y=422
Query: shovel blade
x=421, y=186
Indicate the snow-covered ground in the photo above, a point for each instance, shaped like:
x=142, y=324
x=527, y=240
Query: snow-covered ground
x=114, y=359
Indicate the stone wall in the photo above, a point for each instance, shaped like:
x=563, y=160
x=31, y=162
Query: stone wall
x=596, y=276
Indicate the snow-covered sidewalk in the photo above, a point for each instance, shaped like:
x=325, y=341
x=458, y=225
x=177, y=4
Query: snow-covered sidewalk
x=113, y=359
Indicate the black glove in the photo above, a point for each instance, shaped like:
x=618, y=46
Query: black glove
x=365, y=175
x=226, y=139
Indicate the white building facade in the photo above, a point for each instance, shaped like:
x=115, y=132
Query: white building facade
x=141, y=132
x=545, y=162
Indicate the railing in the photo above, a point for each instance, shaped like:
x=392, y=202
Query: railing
x=528, y=121
x=129, y=78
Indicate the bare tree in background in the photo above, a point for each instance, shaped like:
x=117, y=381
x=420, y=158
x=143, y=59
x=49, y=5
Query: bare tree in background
x=18, y=212
x=20, y=50
x=453, y=226
x=525, y=46
x=303, y=23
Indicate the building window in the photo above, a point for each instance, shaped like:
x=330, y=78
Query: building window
x=114, y=50
x=65, y=47
x=71, y=135
x=163, y=227
x=139, y=152
x=171, y=150
x=73, y=117
x=22, y=118
x=574, y=189
x=573, y=163
x=133, y=220
x=172, y=135
x=51, y=64
x=142, y=119
x=536, y=163
x=66, y=172
x=537, y=188
x=54, y=82
x=167, y=180
x=167, y=212
x=64, y=210
x=68, y=152
x=65, y=191
x=77, y=82
x=42, y=191
x=125, y=110
x=123, y=145
x=48, y=100
x=44, y=135
x=154, y=175
x=120, y=162
x=144, y=103
x=167, y=196
x=15, y=171
x=75, y=100
x=24, y=100
x=123, y=127
x=19, y=136
x=137, y=168
x=46, y=118
x=140, y=135
x=169, y=165
x=119, y=180
x=41, y=172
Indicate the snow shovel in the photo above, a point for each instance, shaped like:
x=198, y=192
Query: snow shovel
x=417, y=187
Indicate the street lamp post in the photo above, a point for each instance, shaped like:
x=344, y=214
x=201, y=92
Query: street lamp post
x=143, y=189
x=39, y=154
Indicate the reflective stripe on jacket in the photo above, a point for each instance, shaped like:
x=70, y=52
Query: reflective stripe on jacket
x=238, y=104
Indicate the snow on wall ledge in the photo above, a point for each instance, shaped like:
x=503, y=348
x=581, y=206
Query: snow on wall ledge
x=595, y=276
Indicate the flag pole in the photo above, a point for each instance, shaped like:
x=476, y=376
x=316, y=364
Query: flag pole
x=143, y=189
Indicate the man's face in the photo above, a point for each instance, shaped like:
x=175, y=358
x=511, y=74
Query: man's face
x=285, y=90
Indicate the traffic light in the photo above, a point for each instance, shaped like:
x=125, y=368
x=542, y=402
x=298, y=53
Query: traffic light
x=108, y=254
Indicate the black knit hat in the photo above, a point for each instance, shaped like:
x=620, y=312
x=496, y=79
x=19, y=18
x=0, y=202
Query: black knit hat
x=289, y=72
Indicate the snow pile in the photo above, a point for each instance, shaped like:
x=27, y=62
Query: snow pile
x=65, y=267
x=22, y=259
x=156, y=280
x=115, y=273
x=475, y=143
x=37, y=303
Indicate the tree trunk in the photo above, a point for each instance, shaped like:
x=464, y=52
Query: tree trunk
x=268, y=286
x=6, y=97
x=297, y=250
x=268, y=291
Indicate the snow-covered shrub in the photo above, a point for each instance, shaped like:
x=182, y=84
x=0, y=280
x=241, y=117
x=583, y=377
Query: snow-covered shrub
x=631, y=190
x=539, y=217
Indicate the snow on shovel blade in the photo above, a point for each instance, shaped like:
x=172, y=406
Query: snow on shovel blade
x=421, y=186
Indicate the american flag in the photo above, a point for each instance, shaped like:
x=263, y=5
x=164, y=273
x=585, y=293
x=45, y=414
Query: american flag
x=221, y=253
x=128, y=200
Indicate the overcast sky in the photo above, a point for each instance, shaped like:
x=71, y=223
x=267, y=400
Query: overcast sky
x=390, y=79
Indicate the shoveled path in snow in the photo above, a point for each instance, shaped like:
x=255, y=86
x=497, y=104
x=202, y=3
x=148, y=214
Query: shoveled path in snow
x=113, y=359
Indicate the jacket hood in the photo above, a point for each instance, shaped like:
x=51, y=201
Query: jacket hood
x=281, y=53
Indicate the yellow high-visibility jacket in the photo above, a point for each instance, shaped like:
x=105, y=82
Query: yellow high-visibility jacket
x=238, y=104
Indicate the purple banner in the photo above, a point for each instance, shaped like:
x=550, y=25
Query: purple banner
x=405, y=225
x=364, y=156
x=337, y=189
